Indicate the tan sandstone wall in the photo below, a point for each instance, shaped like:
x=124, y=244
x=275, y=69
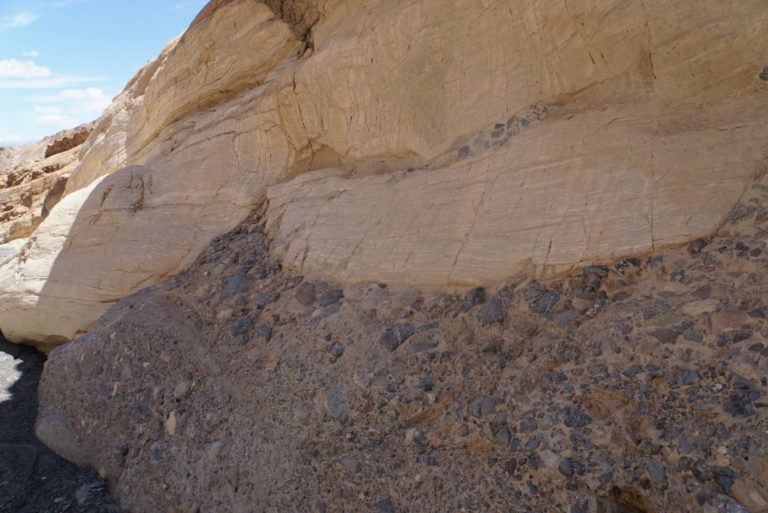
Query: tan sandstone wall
x=429, y=143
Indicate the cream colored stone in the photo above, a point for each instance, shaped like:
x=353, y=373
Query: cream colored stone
x=628, y=126
x=701, y=307
x=751, y=495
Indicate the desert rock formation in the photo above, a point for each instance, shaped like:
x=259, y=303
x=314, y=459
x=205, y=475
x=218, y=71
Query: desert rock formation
x=30, y=192
x=637, y=387
x=426, y=144
x=411, y=255
x=15, y=156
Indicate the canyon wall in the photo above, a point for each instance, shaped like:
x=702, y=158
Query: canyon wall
x=425, y=143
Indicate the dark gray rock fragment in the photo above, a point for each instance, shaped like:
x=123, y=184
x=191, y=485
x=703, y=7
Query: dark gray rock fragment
x=727, y=505
x=265, y=331
x=384, y=506
x=739, y=405
x=700, y=471
x=241, y=326
x=534, y=442
x=502, y=434
x=656, y=471
x=695, y=247
x=528, y=425
x=482, y=405
x=396, y=335
x=492, y=312
x=665, y=335
x=475, y=296
x=724, y=477
x=235, y=285
x=547, y=302
x=578, y=419
x=687, y=377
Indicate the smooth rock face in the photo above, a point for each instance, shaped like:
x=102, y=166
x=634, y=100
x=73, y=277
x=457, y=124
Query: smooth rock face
x=419, y=142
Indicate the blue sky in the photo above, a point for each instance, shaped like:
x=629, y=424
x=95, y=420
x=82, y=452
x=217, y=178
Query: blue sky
x=62, y=61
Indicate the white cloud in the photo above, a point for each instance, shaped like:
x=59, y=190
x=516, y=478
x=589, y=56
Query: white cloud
x=69, y=107
x=20, y=19
x=47, y=109
x=46, y=83
x=91, y=93
x=12, y=68
x=58, y=120
x=34, y=54
x=91, y=100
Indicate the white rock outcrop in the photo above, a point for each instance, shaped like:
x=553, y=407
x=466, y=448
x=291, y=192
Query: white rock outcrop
x=421, y=142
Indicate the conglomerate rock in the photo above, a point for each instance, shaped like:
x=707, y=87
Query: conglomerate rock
x=431, y=144
x=240, y=385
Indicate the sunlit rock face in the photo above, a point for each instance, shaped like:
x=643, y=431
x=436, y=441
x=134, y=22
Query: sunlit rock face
x=424, y=143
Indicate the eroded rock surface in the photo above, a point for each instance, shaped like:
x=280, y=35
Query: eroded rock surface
x=30, y=191
x=32, y=478
x=68, y=139
x=239, y=385
x=428, y=144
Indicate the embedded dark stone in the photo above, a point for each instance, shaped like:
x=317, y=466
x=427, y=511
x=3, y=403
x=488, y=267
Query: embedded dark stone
x=265, y=331
x=687, y=377
x=657, y=471
x=665, y=335
x=384, y=506
x=396, y=335
x=306, y=294
x=578, y=419
x=482, y=405
x=492, y=312
x=476, y=296
x=546, y=302
x=241, y=326
x=695, y=247
x=724, y=477
x=235, y=285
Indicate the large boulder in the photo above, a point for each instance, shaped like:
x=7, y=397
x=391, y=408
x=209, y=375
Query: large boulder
x=68, y=139
x=427, y=143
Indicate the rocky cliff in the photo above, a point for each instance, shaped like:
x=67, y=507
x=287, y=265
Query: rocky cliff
x=426, y=144
x=417, y=255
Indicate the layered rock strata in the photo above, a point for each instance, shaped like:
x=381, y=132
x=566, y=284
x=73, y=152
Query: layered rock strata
x=31, y=191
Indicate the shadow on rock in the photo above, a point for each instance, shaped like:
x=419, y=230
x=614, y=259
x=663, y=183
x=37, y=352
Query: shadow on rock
x=32, y=478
